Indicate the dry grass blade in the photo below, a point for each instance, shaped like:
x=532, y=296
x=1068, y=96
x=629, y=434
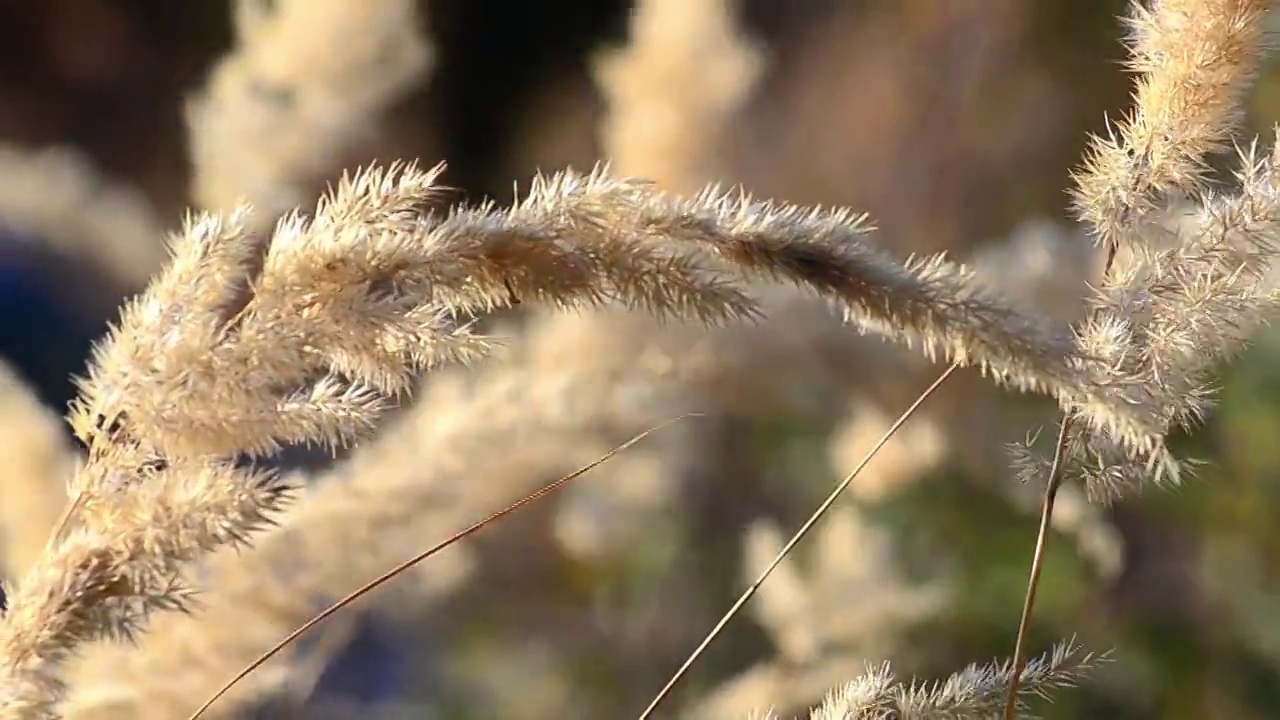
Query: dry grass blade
x=1052, y=483
x=795, y=539
x=1037, y=564
x=402, y=567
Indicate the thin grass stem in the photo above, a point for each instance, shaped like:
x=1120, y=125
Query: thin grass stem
x=795, y=540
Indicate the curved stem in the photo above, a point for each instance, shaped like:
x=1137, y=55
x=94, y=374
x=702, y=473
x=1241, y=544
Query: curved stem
x=402, y=567
x=1037, y=564
x=795, y=540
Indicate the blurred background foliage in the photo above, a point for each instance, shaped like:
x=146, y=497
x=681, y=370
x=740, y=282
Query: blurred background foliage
x=953, y=122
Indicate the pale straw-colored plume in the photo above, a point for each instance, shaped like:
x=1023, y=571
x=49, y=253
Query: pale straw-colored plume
x=573, y=239
x=975, y=693
x=1171, y=316
x=124, y=559
x=930, y=303
x=1194, y=60
x=1189, y=275
x=306, y=85
x=431, y=471
x=673, y=89
x=351, y=303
